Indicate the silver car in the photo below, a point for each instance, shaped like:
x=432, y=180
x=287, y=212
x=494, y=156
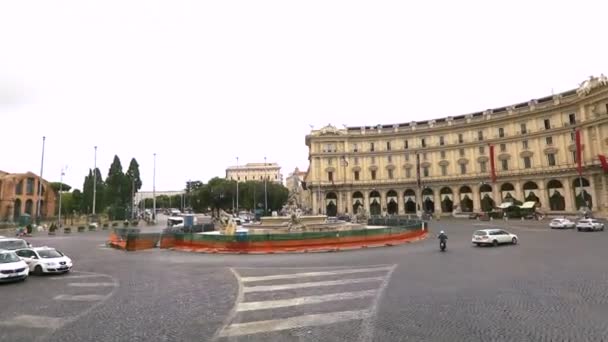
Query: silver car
x=589, y=225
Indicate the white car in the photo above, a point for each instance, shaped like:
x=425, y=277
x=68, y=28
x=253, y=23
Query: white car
x=12, y=268
x=45, y=260
x=561, y=223
x=13, y=243
x=493, y=237
x=589, y=225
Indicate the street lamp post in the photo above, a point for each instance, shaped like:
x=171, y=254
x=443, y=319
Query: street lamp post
x=237, y=186
x=154, y=191
x=265, y=190
x=94, y=180
x=38, y=211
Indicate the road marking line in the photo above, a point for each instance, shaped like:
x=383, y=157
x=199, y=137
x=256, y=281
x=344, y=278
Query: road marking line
x=314, y=274
x=240, y=329
x=91, y=284
x=78, y=276
x=85, y=298
x=273, y=304
x=311, y=284
x=31, y=321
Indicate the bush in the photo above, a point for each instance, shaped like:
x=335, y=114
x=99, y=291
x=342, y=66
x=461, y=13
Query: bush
x=80, y=229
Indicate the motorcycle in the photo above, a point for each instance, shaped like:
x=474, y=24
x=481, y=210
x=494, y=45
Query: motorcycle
x=442, y=246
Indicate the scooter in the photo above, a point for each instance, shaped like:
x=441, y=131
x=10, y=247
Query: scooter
x=442, y=246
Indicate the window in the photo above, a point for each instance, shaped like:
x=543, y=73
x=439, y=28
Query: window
x=460, y=138
x=441, y=141
x=29, y=186
x=389, y=159
x=501, y=132
x=356, y=175
x=461, y=151
x=19, y=188
x=423, y=142
x=572, y=136
x=388, y=145
x=356, y=160
x=405, y=145
x=505, y=165
x=330, y=161
x=572, y=118
x=408, y=173
x=373, y=174
x=503, y=147
x=390, y=174
x=371, y=147
x=482, y=150
x=330, y=176
x=442, y=154
x=480, y=135
x=551, y=159
x=549, y=140
x=425, y=171
x=524, y=144
x=527, y=162
x=444, y=170
x=523, y=128
x=424, y=156
x=407, y=157
x=574, y=156
x=547, y=124
x=463, y=169
x=373, y=160
x=355, y=148
x=482, y=166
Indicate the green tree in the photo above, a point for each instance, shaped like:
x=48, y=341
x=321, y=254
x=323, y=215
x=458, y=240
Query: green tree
x=89, y=186
x=117, y=190
x=76, y=200
x=58, y=185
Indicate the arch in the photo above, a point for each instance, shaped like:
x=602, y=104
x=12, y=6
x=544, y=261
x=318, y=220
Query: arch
x=392, y=205
x=466, y=204
x=576, y=183
x=445, y=191
x=374, y=203
x=465, y=189
x=485, y=188
x=530, y=192
x=446, y=197
x=557, y=201
x=357, y=201
x=583, y=197
x=17, y=209
x=530, y=186
x=507, y=187
x=29, y=206
x=428, y=201
x=410, y=201
x=331, y=206
x=487, y=203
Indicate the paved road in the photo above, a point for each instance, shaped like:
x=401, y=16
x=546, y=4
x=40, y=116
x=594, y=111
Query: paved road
x=552, y=286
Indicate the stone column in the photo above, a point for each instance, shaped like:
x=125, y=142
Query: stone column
x=456, y=197
x=339, y=202
x=598, y=140
x=496, y=195
x=519, y=193
x=349, y=203
x=595, y=201
x=604, y=207
x=366, y=201
x=544, y=196
x=383, y=208
x=315, y=205
x=476, y=198
x=437, y=200
x=401, y=202
x=569, y=193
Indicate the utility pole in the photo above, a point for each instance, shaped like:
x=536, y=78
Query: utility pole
x=237, y=186
x=154, y=191
x=38, y=211
x=94, y=180
x=265, y=190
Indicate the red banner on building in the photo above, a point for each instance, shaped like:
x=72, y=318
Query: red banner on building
x=579, y=154
x=604, y=162
x=492, y=165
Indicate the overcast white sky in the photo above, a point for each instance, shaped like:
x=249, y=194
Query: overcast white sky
x=202, y=82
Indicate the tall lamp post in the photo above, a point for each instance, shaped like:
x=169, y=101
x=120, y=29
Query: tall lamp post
x=94, y=180
x=154, y=191
x=237, y=186
x=265, y=190
x=40, y=183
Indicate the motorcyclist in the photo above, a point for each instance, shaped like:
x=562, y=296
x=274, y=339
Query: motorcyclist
x=442, y=238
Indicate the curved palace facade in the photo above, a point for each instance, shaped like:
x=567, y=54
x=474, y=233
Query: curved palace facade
x=520, y=153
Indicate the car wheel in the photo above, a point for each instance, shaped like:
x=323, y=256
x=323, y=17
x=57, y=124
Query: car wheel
x=579, y=229
x=478, y=244
x=495, y=243
x=38, y=270
x=514, y=241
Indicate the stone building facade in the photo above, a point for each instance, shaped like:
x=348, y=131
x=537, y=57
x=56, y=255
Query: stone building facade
x=19, y=195
x=530, y=146
x=255, y=172
x=293, y=182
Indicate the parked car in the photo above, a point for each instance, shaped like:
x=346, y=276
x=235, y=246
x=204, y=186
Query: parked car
x=589, y=225
x=45, y=260
x=493, y=237
x=561, y=223
x=12, y=244
x=12, y=268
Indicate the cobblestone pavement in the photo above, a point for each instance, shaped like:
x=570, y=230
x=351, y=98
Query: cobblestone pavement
x=552, y=286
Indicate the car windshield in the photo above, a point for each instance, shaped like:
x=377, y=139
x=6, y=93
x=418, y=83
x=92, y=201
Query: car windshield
x=49, y=253
x=12, y=244
x=8, y=257
x=481, y=232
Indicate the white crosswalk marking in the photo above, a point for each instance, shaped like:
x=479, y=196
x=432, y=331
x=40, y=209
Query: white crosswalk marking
x=78, y=276
x=315, y=298
x=84, y=298
x=312, y=284
x=293, y=322
x=32, y=321
x=273, y=304
x=91, y=284
x=313, y=274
